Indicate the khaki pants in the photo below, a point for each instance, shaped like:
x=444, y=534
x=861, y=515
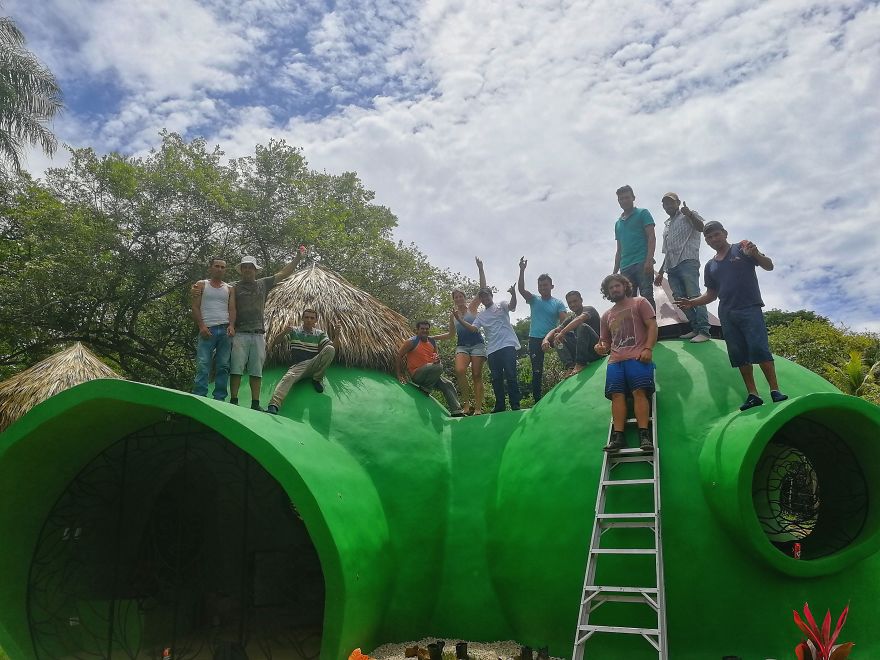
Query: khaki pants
x=314, y=368
x=431, y=375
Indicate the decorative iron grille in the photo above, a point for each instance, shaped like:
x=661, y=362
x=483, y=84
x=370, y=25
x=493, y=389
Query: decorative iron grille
x=809, y=489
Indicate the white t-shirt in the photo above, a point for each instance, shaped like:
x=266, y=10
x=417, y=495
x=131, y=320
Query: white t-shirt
x=496, y=322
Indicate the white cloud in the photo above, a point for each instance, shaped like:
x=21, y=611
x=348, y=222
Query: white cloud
x=500, y=129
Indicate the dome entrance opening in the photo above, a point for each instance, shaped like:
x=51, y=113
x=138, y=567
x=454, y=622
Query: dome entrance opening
x=175, y=539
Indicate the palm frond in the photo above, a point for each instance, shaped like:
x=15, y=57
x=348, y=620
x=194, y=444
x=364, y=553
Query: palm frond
x=365, y=332
x=59, y=372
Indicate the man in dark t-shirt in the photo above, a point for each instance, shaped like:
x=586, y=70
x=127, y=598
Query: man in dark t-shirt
x=730, y=277
x=248, y=296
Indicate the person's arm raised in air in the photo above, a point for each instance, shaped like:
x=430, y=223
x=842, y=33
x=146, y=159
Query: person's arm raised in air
x=511, y=306
x=481, y=272
x=521, y=282
x=450, y=331
x=287, y=271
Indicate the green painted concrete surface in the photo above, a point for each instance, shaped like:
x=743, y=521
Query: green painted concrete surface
x=478, y=528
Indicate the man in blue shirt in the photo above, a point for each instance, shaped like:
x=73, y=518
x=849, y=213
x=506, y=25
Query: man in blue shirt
x=730, y=278
x=634, y=232
x=547, y=313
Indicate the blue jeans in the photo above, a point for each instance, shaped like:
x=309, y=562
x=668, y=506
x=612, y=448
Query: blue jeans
x=536, y=356
x=684, y=280
x=502, y=365
x=217, y=347
x=642, y=282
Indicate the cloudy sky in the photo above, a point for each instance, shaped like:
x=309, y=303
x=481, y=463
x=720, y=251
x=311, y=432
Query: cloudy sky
x=501, y=128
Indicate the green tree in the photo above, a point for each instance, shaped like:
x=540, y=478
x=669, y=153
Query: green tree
x=776, y=317
x=29, y=97
x=105, y=249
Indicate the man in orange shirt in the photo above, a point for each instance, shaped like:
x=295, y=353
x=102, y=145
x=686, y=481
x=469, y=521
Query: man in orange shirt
x=419, y=359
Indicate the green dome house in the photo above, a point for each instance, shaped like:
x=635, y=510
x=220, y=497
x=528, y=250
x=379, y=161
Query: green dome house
x=137, y=520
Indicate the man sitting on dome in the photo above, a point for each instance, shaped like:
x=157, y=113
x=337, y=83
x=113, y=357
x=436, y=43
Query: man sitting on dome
x=311, y=351
x=418, y=357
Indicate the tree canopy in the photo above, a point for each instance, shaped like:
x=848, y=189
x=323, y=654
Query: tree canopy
x=105, y=249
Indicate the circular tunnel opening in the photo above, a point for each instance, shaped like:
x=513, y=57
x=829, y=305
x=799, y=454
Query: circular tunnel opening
x=173, y=542
x=809, y=490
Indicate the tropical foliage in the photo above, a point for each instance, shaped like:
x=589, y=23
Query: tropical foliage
x=815, y=343
x=29, y=97
x=819, y=644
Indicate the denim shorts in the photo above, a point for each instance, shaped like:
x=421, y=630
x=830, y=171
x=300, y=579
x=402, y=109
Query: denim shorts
x=474, y=350
x=627, y=376
x=746, y=335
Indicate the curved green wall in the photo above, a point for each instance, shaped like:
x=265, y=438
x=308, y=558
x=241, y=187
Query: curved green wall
x=478, y=528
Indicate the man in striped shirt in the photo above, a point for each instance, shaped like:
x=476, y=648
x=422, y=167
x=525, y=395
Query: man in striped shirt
x=682, y=235
x=312, y=353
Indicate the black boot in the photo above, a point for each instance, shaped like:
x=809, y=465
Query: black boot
x=435, y=652
x=525, y=653
x=646, y=444
x=461, y=651
x=616, y=442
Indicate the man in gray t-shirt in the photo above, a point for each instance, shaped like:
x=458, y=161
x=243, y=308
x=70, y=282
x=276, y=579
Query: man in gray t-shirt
x=248, y=297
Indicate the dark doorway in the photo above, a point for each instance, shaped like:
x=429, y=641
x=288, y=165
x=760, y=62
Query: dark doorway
x=175, y=543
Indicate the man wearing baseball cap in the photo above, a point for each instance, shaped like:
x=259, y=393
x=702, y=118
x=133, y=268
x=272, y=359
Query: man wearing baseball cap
x=249, y=343
x=730, y=278
x=681, y=261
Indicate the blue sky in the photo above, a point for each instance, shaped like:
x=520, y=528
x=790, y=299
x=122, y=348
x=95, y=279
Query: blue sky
x=499, y=129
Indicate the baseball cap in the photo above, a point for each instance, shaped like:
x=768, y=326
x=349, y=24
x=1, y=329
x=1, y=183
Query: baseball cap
x=670, y=196
x=712, y=225
x=248, y=260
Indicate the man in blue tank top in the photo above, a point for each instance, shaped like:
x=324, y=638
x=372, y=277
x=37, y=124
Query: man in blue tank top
x=546, y=314
x=730, y=278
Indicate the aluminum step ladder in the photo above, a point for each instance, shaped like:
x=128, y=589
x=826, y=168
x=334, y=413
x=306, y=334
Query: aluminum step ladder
x=653, y=595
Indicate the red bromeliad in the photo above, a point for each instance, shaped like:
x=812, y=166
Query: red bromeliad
x=819, y=644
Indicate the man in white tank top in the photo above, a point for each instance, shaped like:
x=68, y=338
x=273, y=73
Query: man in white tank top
x=215, y=317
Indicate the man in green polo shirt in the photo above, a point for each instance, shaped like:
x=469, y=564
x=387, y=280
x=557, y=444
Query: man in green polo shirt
x=311, y=353
x=634, y=232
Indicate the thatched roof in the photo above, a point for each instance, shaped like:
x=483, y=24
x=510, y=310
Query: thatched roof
x=59, y=372
x=365, y=332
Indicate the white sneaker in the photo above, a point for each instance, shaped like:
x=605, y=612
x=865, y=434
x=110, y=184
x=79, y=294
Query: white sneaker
x=689, y=335
x=699, y=338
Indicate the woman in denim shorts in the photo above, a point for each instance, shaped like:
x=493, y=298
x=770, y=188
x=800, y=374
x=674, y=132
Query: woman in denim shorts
x=470, y=350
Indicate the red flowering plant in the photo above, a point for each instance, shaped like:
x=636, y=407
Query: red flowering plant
x=819, y=644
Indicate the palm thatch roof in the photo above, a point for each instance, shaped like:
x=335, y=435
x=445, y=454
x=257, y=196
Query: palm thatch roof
x=56, y=373
x=365, y=332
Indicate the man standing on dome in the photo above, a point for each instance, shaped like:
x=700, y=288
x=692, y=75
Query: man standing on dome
x=249, y=347
x=546, y=314
x=629, y=332
x=682, y=233
x=214, y=313
x=634, y=232
x=731, y=279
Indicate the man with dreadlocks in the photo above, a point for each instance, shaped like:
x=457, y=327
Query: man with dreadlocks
x=629, y=332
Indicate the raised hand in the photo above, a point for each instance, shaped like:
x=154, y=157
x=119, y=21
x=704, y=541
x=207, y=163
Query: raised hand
x=479, y=263
x=512, y=290
x=523, y=262
x=748, y=248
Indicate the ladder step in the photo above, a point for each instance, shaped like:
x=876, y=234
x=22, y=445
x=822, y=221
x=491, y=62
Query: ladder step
x=647, y=524
x=622, y=590
x=632, y=420
x=626, y=516
x=626, y=482
x=619, y=629
x=624, y=551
